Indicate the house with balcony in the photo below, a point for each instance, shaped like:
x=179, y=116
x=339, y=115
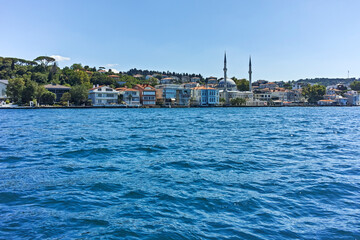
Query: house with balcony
x=168, y=93
x=130, y=96
x=103, y=95
x=183, y=96
x=353, y=98
x=205, y=96
x=147, y=94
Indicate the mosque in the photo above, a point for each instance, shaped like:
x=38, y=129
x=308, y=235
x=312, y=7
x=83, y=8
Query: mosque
x=228, y=88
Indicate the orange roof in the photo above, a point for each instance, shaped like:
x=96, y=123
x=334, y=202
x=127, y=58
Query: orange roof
x=126, y=89
x=97, y=87
x=203, y=88
x=114, y=76
x=143, y=86
x=326, y=100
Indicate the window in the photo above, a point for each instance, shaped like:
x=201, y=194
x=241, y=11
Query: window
x=99, y=95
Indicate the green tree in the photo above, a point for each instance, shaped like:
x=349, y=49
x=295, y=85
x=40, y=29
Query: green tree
x=15, y=89
x=65, y=97
x=44, y=61
x=79, y=78
x=313, y=93
x=40, y=91
x=79, y=94
x=38, y=77
x=29, y=92
x=355, y=85
x=242, y=85
x=238, y=101
x=76, y=66
x=48, y=98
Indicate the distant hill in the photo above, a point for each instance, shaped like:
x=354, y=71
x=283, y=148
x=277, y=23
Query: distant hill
x=327, y=81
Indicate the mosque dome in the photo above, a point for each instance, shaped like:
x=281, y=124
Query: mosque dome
x=231, y=85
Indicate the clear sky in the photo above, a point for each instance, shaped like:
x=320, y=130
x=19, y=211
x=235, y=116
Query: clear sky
x=287, y=39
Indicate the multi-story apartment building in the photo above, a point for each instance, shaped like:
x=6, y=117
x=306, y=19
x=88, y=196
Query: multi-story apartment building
x=205, y=96
x=147, y=94
x=130, y=96
x=103, y=95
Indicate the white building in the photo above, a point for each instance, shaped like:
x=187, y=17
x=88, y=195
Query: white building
x=353, y=98
x=195, y=79
x=3, y=86
x=130, y=96
x=103, y=95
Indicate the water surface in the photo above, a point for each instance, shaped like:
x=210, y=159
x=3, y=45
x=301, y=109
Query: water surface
x=213, y=173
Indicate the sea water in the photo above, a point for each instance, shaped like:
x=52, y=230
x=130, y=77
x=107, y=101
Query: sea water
x=198, y=173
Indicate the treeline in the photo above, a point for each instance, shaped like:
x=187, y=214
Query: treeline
x=327, y=81
x=135, y=71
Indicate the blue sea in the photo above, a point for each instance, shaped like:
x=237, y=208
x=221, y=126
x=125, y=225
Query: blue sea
x=197, y=173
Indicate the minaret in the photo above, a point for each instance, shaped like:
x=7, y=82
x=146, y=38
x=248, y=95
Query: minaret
x=225, y=81
x=250, y=72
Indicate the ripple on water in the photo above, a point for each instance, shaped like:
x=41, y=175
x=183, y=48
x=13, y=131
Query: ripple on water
x=214, y=173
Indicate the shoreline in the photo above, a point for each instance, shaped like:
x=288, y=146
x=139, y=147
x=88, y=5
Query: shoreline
x=127, y=107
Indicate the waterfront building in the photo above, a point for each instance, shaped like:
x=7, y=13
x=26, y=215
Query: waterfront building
x=3, y=86
x=168, y=93
x=326, y=102
x=205, y=96
x=266, y=96
x=183, y=96
x=103, y=95
x=147, y=94
x=353, y=98
x=59, y=90
x=130, y=96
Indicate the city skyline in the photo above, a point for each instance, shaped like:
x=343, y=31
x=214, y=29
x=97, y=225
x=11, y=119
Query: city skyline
x=287, y=40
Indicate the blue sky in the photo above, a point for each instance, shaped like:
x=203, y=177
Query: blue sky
x=287, y=39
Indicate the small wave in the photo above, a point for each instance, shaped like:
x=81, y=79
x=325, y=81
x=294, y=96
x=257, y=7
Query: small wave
x=86, y=152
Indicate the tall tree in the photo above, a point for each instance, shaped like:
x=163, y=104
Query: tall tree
x=79, y=94
x=44, y=61
x=29, y=92
x=313, y=93
x=15, y=89
x=355, y=85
